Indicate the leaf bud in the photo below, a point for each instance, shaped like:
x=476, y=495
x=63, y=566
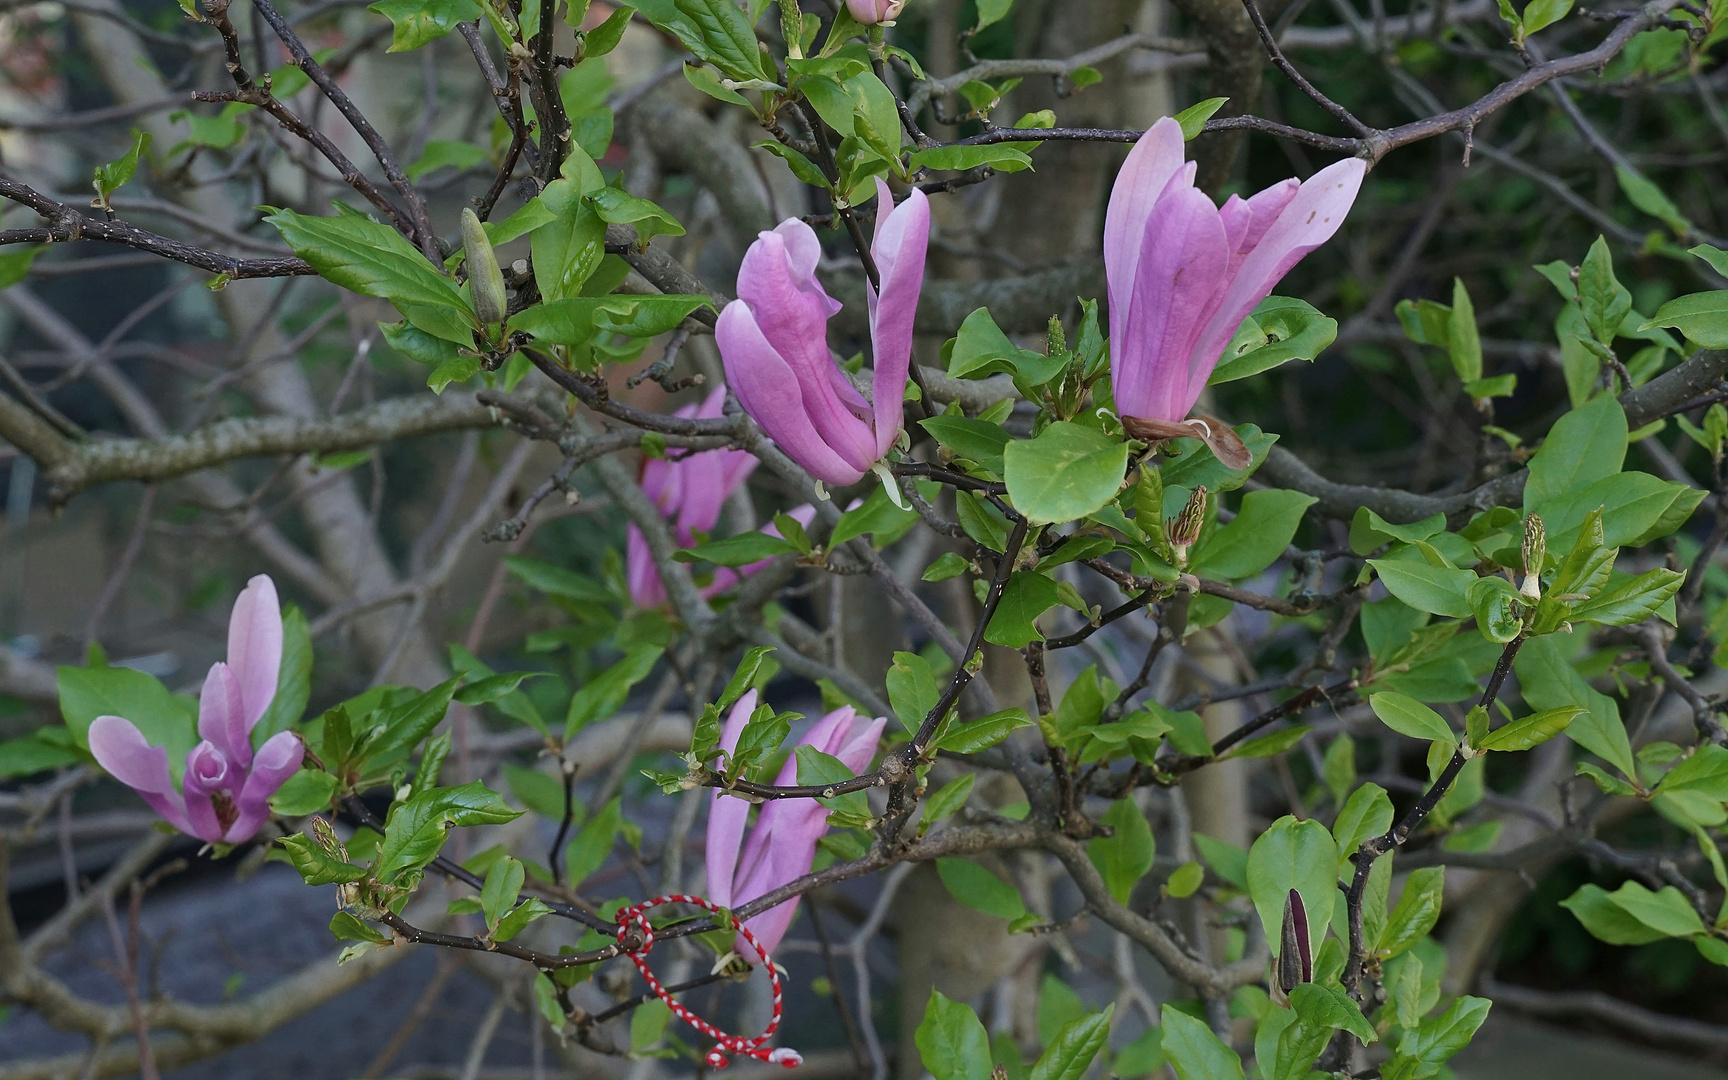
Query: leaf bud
x=1535, y=552
x=1295, y=961
x=485, y=280
x=1184, y=529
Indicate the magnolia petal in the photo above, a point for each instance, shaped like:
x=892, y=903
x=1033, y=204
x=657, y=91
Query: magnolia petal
x=1307, y=220
x=769, y=391
x=278, y=759
x=120, y=748
x=901, y=241
x=1144, y=174
x=222, y=719
x=727, y=815
x=255, y=646
x=640, y=573
x=1179, y=273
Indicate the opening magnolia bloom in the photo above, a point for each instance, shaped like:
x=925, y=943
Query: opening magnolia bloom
x=774, y=342
x=1183, y=274
x=871, y=12
x=690, y=491
x=782, y=847
x=226, y=787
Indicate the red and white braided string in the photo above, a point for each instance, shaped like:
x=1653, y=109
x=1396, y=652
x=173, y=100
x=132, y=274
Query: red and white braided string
x=724, y=1043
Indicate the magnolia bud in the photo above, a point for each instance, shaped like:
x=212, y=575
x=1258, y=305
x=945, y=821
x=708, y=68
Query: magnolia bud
x=871, y=12
x=1535, y=551
x=1295, y=960
x=485, y=280
x=1184, y=529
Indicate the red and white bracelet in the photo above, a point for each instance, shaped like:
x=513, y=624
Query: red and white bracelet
x=724, y=1044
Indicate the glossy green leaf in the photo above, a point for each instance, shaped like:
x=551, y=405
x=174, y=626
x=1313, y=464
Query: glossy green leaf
x=1263, y=528
x=1067, y=472
x=1125, y=857
x=1194, y=1052
x=979, y=889
x=952, y=1042
x=1298, y=855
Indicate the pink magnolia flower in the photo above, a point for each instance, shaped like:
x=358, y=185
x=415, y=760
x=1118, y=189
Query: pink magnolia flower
x=1182, y=275
x=226, y=786
x=690, y=491
x=774, y=342
x=871, y=12
x=782, y=847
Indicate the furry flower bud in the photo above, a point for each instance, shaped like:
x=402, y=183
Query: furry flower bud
x=1184, y=529
x=485, y=280
x=1535, y=551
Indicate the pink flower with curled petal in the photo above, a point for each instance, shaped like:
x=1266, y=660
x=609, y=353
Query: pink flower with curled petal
x=782, y=847
x=690, y=491
x=1182, y=274
x=774, y=343
x=871, y=12
x=224, y=794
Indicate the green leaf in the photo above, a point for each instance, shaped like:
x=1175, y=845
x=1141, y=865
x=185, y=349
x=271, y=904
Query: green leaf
x=622, y=208
x=365, y=257
x=1263, y=528
x=970, y=438
x=1367, y=812
x=1438, y=590
x=1067, y=472
x=315, y=865
x=588, y=851
x=949, y=798
x=1280, y=329
x=981, y=348
x=1369, y=530
x=1539, y=14
x=1548, y=681
x=1027, y=595
x=1124, y=858
x=1644, y=194
x=877, y=516
x=971, y=736
x=960, y=158
x=979, y=889
x=707, y=80
x=415, y=829
x=605, y=693
x=912, y=689
x=745, y=677
x=1706, y=770
x=306, y=792
x=1498, y=607
x=1586, y=445
x=420, y=22
x=1600, y=913
x=1194, y=117
x=567, y=249
x=347, y=927
x=446, y=153
x=15, y=262
x=1702, y=317
x=1715, y=256
x=1604, y=301
x=400, y=727
x=116, y=174
x=1194, y=1052
x=1293, y=855
x=1417, y=911
x=991, y=11
x=1423, y=1051
x=1323, y=1006
x=740, y=550
x=1532, y=730
x=1270, y=745
x=557, y=581
x=719, y=33
x=503, y=884
x=952, y=1042
x=1463, y=343
x=164, y=720
x=1410, y=717
x=605, y=37
x=1070, y=1054
x=23, y=757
